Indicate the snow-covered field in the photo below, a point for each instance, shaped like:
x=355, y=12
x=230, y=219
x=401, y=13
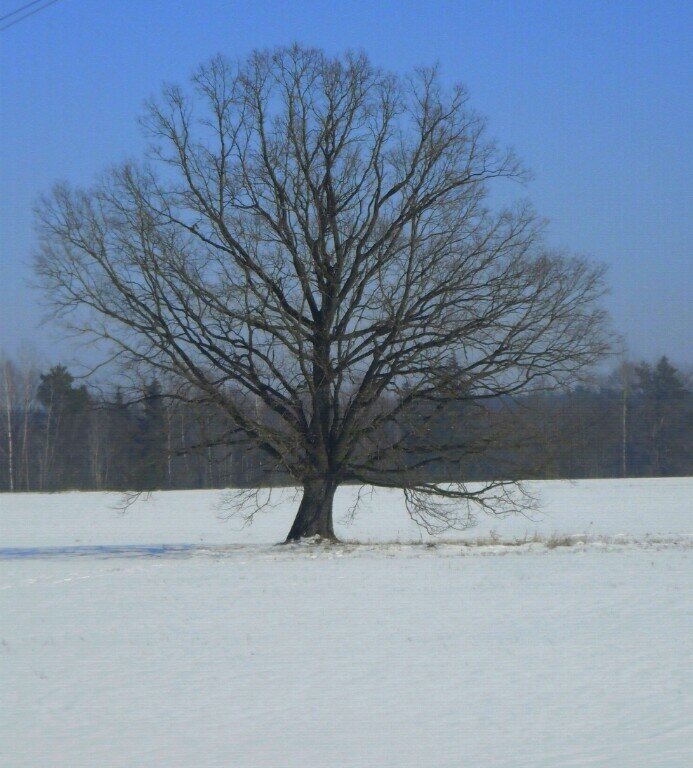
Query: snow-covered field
x=225, y=651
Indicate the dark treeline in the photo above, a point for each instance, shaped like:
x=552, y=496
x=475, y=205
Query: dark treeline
x=57, y=434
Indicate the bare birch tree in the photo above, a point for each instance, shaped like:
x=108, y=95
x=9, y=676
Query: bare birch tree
x=18, y=382
x=7, y=396
x=313, y=234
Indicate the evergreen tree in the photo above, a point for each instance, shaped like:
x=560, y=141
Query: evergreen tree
x=57, y=393
x=664, y=413
x=64, y=456
x=150, y=441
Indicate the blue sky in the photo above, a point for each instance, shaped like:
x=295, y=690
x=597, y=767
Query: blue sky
x=594, y=96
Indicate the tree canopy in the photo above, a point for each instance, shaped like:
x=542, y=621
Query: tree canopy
x=312, y=235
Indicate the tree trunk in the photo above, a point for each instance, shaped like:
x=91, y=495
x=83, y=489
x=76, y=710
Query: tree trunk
x=10, y=441
x=314, y=517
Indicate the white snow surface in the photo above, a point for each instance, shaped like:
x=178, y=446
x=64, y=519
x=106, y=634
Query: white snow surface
x=633, y=508
x=500, y=646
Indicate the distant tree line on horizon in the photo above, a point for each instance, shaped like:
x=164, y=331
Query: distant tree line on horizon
x=57, y=434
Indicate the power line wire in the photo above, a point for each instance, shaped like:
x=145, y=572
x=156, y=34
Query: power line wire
x=19, y=10
x=26, y=15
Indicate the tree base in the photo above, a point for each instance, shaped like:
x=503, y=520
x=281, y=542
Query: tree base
x=317, y=541
x=314, y=517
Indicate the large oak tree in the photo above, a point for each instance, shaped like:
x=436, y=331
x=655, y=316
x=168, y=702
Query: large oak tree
x=309, y=247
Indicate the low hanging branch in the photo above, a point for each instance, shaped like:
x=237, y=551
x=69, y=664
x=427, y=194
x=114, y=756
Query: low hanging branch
x=311, y=234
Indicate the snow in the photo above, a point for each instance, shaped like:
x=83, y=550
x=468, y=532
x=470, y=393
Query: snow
x=225, y=651
x=635, y=508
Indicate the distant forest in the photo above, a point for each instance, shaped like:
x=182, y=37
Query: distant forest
x=58, y=434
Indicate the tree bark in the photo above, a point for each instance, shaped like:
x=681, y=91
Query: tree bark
x=10, y=441
x=314, y=516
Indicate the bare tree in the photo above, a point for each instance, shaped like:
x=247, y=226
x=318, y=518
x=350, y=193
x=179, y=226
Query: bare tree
x=29, y=376
x=7, y=395
x=312, y=234
x=18, y=383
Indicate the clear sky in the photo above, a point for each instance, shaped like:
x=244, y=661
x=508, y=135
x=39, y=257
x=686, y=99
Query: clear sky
x=594, y=96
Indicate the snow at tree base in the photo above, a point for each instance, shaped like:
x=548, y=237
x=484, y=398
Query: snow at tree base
x=168, y=636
